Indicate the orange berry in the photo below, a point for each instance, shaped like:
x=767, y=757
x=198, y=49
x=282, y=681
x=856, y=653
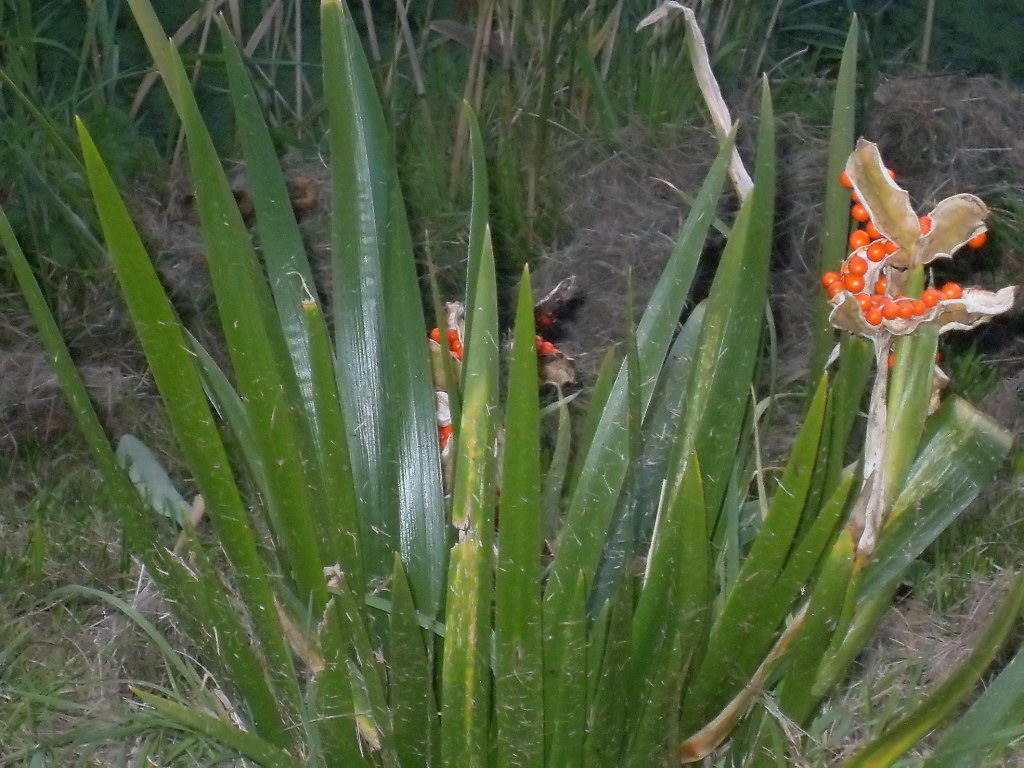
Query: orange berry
x=860, y=213
x=905, y=309
x=856, y=265
x=455, y=343
x=444, y=434
x=931, y=297
x=546, y=348
x=844, y=179
x=873, y=317
x=872, y=230
x=881, y=286
x=891, y=310
x=890, y=247
x=892, y=173
x=853, y=283
x=952, y=291
x=876, y=251
x=864, y=300
x=919, y=307
x=978, y=240
x=853, y=196
x=834, y=288
x=892, y=360
x=827, y=279
x=858, y=239
x=926, y=224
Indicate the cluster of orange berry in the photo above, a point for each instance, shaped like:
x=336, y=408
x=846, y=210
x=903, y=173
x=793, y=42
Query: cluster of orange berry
x=870, y=245
x=455, y=343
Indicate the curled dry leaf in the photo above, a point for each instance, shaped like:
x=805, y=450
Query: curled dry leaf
x=955, y=221
x=887, y=203
x=975, y=307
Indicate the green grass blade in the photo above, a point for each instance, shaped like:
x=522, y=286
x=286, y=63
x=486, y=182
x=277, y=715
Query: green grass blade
x=352, y=681
x=282, y=249
x=836, y=218
x=554, y=477
x=961, y=451
x=565, y=702
x=178, y=382
x=672, y=617
x=246, y=744
x=896, y=741
x=757, y=605
x=606, y=112
x=856, y=364
x=338, y=525
x=465, y=676
x=255, y=342
x=996, y=717
x=609, y=714
x=384, y=375
x=633, y=524
x=600, y=479
x=412, y=699
x=910, y=392
x=796, y=694
x=517, y=608
x=731, y=335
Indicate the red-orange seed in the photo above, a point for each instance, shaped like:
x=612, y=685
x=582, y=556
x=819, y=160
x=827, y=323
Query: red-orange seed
x=859, y=238
x=952, y=291
x=455, y=343
x=853, y=283
x=844, y=179
x=828, y=278
x=891, y=310
x=872, y=230
x=876, y=251
x=873, y=317
x=890, y=247
x=436, y=335
x=881, y=286
x=926, y=224
x=856, y=265
x=860, y=213
x=978, y=240
x=905, y=309
x=919, y=307
x=864, y=300
x=931, y=297
x=834, y=288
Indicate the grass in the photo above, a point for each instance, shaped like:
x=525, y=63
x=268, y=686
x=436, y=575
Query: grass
x=67, y=663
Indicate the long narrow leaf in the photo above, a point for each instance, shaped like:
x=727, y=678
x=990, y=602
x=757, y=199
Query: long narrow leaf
x=517, y=608
x=384, y=378
x=178, y=381
x=600, y=479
